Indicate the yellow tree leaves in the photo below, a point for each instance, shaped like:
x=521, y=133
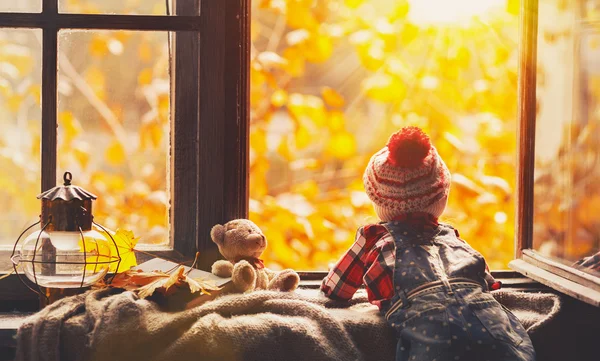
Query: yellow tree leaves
x=346, y=82
x=384, y=88
x=332, y=97
x=115, y=153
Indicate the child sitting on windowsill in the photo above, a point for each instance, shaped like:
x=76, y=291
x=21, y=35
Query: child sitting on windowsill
x=432, y=287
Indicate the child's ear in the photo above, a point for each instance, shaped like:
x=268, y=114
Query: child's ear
x=217, y=233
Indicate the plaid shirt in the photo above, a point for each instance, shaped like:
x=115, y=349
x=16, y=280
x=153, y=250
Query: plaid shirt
x=370, y=261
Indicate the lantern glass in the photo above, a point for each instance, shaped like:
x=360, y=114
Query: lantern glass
x=65, y=259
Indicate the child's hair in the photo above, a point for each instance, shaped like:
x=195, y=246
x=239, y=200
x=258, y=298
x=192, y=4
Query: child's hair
x=407, y=176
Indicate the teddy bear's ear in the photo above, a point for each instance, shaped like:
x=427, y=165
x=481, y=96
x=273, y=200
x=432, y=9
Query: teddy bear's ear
x=217, y=233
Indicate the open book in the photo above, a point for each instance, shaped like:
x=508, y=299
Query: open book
x=159, y=264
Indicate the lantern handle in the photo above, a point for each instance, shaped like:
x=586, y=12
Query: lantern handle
x=67, y=177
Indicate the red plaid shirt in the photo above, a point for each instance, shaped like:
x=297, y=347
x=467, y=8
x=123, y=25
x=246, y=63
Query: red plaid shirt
x=370, y=261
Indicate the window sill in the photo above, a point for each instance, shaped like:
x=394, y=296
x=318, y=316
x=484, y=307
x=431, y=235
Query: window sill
x=552, y=280
x=309, y=286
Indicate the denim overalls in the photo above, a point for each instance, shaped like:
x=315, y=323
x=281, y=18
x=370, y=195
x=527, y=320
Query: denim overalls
x=441, y=309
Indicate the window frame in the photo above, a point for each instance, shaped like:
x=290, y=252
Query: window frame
x=209, y=116
x=530, y=263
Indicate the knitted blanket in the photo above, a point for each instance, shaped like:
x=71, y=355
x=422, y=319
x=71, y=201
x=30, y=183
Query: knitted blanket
x=263, y=325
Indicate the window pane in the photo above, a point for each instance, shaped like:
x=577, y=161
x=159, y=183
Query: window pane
x=130, y=7
x=113, y=125
x=21, y=6
x=567, y=196
x=20, y=121
x=332, y=80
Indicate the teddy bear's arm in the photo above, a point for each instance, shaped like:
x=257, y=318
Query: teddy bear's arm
x=222, y=268
x=270, y=274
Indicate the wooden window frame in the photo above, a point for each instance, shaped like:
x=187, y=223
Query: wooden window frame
x=563, y=278
x=209, y=119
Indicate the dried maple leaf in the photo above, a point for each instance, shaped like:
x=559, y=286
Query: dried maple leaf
x=146, y=283
x=199, y=284
x=165, y=282
x=134, y=279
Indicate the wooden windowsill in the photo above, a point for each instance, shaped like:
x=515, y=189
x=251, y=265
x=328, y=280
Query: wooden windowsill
x=553, y=280
x=10, y=321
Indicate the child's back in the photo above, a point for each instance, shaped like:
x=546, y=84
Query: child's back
x=441, y=309
x=430, y=284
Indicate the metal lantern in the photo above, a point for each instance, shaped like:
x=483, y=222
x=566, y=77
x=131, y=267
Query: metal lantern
x=65, y=252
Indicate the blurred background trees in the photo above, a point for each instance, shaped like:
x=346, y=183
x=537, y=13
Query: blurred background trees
x=330, y=81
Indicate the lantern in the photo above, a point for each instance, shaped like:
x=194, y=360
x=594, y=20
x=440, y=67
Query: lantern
x=65, y=252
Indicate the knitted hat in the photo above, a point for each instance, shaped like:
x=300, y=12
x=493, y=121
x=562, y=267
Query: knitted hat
x=407, y=176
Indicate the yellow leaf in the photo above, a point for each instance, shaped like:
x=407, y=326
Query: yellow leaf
x=309, y=189
x=151, y=135
x=258, y=141
x=145, y=76
x=303, y=138
x=409, y=33
x=353, y=4
x=385, y=88
x=145, y=52
x=284, y=149
x=296, y=61
x=336, y=120
x=36, y=92
x=81, y=152
x=14, y=102
x=308, y=107
x=115, y=153
x=298, y=15
x=513, y=7
x=319, y=48
x=125, y=242
x=164, y=102
x=341, y=145
x=98, y=46
x=332, y=97
x=70, y=125
x=279, y=98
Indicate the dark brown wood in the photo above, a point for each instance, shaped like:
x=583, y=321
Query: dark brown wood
x=224, y=118
x=526, y=126
x=100, y=21
x=211, y=205
x=184, y=134
x=49, y=96
x=237, y=107
x=12, y=289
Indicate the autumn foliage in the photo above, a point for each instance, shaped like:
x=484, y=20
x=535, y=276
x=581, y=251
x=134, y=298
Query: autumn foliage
x=331, y=80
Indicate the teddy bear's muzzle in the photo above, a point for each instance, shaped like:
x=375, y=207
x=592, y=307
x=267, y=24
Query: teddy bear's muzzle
x=257, y=239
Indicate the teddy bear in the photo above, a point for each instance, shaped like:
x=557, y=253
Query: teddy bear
x=242, y=242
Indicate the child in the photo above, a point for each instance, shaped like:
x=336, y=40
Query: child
x=432, y=287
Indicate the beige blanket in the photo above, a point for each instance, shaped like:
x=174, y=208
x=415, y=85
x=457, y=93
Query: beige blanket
x=263, y=325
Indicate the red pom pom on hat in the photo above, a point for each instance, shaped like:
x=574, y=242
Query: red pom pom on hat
x=408, y=147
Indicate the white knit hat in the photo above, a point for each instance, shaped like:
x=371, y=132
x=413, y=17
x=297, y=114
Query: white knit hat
x=407, y=176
